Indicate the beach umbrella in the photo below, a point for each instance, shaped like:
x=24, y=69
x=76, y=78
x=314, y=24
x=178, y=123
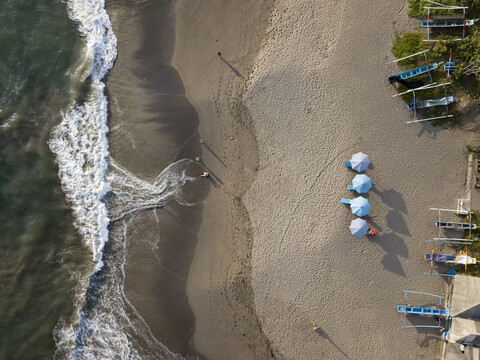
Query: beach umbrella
x=359, y=227
x=359, y=162
x=359, y=206
x=361, y=184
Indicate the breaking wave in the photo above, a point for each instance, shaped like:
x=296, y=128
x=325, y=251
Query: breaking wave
x=80, y=142
x=105, y=325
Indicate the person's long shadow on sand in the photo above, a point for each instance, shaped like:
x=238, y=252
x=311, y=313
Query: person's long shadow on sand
x=324, y=335
x=214, y=154
x=214, y=179
x=235, y=71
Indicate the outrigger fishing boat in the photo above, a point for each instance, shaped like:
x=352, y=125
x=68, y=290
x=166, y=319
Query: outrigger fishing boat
x=430, y=103
x=461, y=259
x=455, y=225
x=438, y=313
x=422, y=311
x=400, y=78
x=446, y=21
x=445, y=101
x=414, y=72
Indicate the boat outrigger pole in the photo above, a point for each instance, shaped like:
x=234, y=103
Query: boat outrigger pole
x=405, y=309
x=445, y=101
x=411, y=73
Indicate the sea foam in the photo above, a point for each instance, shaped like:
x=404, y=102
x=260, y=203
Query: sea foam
x=80, y=142
x=105, y=325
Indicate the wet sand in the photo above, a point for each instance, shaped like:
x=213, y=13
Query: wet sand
x=219, y=288
x=153, y=125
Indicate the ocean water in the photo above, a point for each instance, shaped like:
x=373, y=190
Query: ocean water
x=66, y=207
x=41, y=252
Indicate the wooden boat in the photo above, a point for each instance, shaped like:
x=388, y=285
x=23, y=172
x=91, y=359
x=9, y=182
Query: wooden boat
x=423, y=311
x=455, y=225
x=414, y=72
x=458, y=259
x=430, y=103
x=446, y=23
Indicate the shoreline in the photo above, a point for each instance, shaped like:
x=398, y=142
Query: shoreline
x=219, y=288
x=152, y=126
x=281, y=99
x=176, y=297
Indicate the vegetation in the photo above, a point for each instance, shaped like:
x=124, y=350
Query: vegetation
x=416, y=7
x=466, y=53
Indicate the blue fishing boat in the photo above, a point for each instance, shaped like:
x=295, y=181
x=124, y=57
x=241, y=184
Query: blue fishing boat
x=430, y=103
x=415, y=72
x=423, y=311
x=455, y=225
x=440, y=258
x=439, y=312
x=446, y=23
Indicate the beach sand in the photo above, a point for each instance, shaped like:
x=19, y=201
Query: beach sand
x=219, y=288
x=299, y=87
x=152, y=125
x=318, y=94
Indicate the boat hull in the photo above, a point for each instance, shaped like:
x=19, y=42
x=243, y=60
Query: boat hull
x=431, y=103
x=446, y=23
x=418, y=71
x=423, y=311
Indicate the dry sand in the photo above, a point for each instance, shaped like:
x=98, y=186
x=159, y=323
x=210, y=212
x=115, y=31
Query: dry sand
x=319, y=93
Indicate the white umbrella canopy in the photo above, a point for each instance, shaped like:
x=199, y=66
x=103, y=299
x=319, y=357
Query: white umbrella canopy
x=360, y=162
x=358, y=227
